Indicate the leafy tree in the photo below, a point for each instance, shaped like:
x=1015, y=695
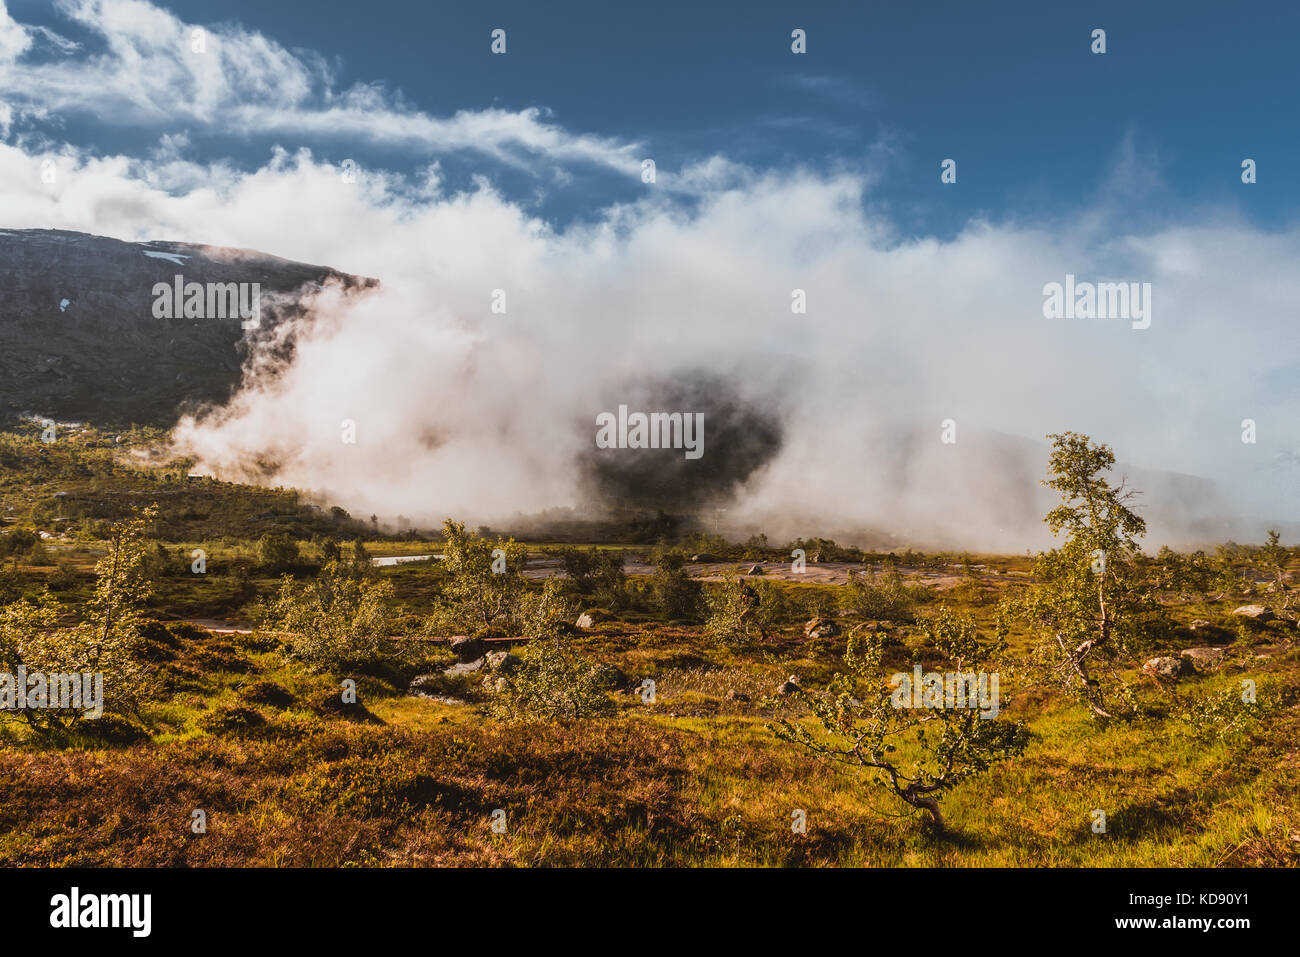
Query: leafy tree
x=1274, y=557
x=484, y=584
x=915, y=754
x=737, y=613
x=341, y=619
x=677, y=596
x=1093, y=609
x=551, y=681
x=880, y=597
x=276, y=552
x=104, y=643
x=598, y=574
x=1193, y=576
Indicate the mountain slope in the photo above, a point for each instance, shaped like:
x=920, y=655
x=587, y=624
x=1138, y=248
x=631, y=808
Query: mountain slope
x=79, y=338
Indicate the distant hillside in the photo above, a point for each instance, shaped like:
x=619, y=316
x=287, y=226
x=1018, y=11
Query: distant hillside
x=79, y=339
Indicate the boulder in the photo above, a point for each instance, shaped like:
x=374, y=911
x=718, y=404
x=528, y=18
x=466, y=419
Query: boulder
x=466, y=649
x=754, y=570
x=502, y=661
x=789, y=686
x=821, y=628
x=734, y=695
x=1204, y=656
x=464, y=668
x=1254, y=612
x=703, y=557
x=1163, y=666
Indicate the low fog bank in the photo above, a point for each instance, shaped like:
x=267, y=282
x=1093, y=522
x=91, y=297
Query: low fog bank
x=473, y=375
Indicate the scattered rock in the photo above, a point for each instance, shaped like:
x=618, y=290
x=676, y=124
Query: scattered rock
x=1255, y=613
x=789, y=686
x=821, y=628
x=503, y=661
x=1165, y=667
x=1198, y=624
x=464, y=668
x=1204, y=656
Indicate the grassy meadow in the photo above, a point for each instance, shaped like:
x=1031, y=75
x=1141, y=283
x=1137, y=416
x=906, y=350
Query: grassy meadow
x=253, y=731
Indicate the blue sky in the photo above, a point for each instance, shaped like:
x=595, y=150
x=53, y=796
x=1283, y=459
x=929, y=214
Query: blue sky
x=1038, y=124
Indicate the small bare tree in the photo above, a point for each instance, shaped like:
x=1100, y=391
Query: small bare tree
x=915, y=753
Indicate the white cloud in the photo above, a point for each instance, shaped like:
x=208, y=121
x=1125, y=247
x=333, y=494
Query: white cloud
x=248, y=84
x=467, y=413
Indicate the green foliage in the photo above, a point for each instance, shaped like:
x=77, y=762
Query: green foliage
x=1226, y=712
x=737, y=613
x=21, y=543
x=552, y=681
x=915, y=754
x=1273, y=559
x=825, y=550
x=1190, y=577
x=339, y=620
x=884, y=597
x=597, y=574
x=676, y=596
x=106, y=642
x=483, y=588
x=1093, y=609
x=277, y=552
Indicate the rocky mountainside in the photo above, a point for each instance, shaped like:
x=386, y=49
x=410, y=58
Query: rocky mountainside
x=80, y=338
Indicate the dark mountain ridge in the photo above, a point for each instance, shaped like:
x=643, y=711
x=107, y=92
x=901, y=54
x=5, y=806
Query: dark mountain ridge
x=79, y=338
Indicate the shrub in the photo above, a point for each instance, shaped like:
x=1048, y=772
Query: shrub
x=107, y=642
x=342, y=618
x=551, y=681
x=598, y=574
x=484, y=585
x=676, y=595
x=915, y=754
x=736, y=613
x=880, y=597
x=277, y=552
x=268, y=693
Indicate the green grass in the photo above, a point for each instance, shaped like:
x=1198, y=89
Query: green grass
x=696, y=778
